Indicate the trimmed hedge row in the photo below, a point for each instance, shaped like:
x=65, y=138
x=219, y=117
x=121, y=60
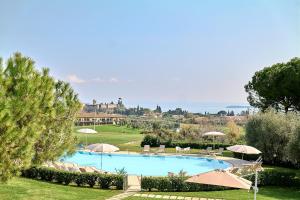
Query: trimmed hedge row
x=169, y=184
x=104, y=181
x=195, y=145
x=154, y=141
x=275, y=178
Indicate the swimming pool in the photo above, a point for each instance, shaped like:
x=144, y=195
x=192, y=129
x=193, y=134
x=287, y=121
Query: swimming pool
x=147, y=165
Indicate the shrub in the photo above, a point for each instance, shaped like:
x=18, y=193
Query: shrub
x=105, y=181
x=170, y=184
x=90, y=179
x=47, y=174
x=273, y=133
x=118, y=181
x=177, y=183
x=151, y=140
x=274, y=178
x=195, y=145
x=81, y=179
x=32, y=173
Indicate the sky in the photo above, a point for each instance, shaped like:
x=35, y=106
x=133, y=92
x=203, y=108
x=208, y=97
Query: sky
x=153, y=51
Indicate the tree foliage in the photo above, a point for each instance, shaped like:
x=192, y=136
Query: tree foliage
x=273, y=133
x=36, y=116
x=233, y=132
x=277, y=86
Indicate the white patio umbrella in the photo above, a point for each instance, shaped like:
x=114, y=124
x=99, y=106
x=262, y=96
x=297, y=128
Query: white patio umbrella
x=103, y=148
x=87, y=131
x=221, y=178
x=214, y=134
x=244, y=149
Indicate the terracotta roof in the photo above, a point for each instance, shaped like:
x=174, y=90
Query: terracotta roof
x=99, y=115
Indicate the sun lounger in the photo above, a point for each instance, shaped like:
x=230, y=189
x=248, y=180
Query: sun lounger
x=178, y=149
x=208, y=150
x=219, y=152
x=187, y=149
x=161, y=149
x=146, y=149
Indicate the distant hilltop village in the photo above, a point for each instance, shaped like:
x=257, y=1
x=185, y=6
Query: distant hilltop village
x=104, y=107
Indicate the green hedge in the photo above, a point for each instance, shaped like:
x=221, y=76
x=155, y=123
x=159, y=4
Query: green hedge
x=154, y=141
x=265, y=178
x=104, y=181
x=275, y=178
x=196, y=145
x=171, y=184
x=176, y=183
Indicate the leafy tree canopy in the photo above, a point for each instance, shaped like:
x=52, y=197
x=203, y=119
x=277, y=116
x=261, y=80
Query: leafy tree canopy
x=277, y=86
x=36, y=116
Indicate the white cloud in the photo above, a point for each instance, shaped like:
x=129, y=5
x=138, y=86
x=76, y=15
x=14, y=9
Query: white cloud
x=113, y=80
x=73, y=78
x=98, y=80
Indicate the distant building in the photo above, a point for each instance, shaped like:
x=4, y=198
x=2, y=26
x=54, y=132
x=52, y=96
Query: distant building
x=103, y=107
x=86, y=119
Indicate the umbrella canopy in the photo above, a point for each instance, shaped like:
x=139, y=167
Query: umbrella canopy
x=101, y=147
x=86, y=130
x=221, y=178
x=243, y=149
x=214, y=133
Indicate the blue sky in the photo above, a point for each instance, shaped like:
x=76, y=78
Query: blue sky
x=153, y=51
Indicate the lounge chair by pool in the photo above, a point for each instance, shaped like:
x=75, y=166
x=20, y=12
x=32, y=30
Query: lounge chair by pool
x=161, y=149
x=146, y=149
x=187, y=149
x=178, y=149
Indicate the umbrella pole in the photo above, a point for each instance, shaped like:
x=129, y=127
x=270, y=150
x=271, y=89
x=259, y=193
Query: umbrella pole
x=255, y=185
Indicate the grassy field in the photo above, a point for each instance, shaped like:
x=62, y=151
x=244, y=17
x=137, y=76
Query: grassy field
x=127, y=139
x=27, y=189
x=123, y=137
x=265, y=193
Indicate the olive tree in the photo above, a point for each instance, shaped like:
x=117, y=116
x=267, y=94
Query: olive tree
x=271, y=132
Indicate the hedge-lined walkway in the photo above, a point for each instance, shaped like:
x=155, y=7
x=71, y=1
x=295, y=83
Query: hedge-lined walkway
x=171, y=197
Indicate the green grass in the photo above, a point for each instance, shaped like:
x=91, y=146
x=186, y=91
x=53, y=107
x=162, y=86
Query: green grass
x=123, y=137
x=265, y=193
x=27, y=189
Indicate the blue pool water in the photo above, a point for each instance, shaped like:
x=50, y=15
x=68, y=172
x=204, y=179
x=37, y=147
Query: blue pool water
x=147, y=165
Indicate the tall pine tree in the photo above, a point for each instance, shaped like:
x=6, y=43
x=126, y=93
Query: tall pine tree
x=36, y=116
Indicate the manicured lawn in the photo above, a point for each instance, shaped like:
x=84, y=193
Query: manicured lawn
x=127, y=139
x=27, y=189
x=265, y=193
x=123, y=137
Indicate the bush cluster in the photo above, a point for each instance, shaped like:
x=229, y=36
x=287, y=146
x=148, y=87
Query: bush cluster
x=169, y=184
x=104, y=181
x=154, y=141
x=277, y=135
x=177, y=183
x=275, y=178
